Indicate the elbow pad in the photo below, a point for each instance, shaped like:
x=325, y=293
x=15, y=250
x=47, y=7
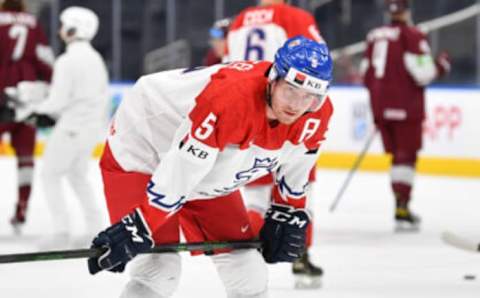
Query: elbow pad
x=421, y=67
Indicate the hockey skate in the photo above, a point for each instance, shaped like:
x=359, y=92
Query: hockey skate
x=307, y=275
x=18, y=219
x=406, y=221
x=17, y=224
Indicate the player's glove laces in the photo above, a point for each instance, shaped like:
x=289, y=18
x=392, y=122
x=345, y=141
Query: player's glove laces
x=121, y=242
x=283, y=234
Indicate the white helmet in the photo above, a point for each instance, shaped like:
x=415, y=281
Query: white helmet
x=79, y=22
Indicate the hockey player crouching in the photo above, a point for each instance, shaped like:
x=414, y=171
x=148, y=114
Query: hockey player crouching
x=184, y=141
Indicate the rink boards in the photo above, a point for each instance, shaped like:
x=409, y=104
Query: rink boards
x=451, y=133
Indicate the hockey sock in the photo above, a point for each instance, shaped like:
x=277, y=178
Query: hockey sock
x=22, y=204
x=25, y=176
x=402, y=178
x=402, y=194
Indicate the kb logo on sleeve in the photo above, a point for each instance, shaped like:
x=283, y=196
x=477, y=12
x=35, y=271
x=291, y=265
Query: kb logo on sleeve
x=194, y=150
x=197, y=152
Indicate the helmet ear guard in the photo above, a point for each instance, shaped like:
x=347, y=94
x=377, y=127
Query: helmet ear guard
x=273, y=74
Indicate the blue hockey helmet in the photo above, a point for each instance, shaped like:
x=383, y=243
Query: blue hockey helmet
x=304, y=63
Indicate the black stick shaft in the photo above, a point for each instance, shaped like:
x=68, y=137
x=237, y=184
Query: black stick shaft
x=91, y=252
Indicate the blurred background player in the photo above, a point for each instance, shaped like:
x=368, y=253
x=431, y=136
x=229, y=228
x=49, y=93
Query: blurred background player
x=218, y=42
x=24, y=56
x=256, y=34
x=77, y=104
x=397, y=66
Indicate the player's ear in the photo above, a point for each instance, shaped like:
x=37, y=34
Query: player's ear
x=273, y=83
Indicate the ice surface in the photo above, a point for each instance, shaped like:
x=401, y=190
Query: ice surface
x=360, y=254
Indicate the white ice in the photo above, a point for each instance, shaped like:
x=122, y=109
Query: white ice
x=355, y=245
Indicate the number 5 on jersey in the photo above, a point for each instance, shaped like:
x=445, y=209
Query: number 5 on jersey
x=206, y=128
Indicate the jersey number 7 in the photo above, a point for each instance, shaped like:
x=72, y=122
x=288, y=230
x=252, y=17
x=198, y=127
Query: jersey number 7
x=19, y=33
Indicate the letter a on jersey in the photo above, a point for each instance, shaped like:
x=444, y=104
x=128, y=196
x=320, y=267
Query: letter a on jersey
x=311, y=126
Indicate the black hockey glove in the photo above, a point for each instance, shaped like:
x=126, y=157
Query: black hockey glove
x=7, y=114
x=121, y=243
x=283, y=233
x=40, y=120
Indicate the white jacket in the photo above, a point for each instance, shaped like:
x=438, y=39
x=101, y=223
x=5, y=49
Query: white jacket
x=79, y=91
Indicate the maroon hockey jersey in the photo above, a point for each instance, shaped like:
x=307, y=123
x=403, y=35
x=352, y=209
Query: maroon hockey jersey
x=24, y=51
x=394, y=94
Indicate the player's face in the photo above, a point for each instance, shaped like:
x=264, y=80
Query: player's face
x=63, y=34
x=290, y=102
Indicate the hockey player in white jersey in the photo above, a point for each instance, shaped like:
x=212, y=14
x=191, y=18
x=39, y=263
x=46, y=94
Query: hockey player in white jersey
x=77, y=104
x=184, y=141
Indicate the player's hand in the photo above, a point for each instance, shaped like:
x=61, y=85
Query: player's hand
x=121, y=242
x=7, y=114
x=443, y=63
x=40, y=120
x=283, y=233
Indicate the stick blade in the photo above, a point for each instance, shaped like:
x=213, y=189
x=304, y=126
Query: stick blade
x=460, y=242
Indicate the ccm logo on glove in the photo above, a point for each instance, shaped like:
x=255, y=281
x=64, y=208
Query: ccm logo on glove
x=284, y=215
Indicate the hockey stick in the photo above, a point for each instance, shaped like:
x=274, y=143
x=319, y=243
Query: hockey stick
x=354, y=168
x=459, y=242
x=91, y=252
x=426, y=27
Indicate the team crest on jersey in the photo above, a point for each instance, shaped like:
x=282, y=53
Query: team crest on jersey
x=265, y=165
x=260, y=167
x=161, y=201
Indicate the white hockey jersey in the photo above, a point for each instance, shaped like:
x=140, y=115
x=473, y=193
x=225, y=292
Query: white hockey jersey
x=258, y=32
x=203, y=133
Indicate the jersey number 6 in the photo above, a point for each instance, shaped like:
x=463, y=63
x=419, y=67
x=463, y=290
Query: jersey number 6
x=255, y=39
x=206, y=128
